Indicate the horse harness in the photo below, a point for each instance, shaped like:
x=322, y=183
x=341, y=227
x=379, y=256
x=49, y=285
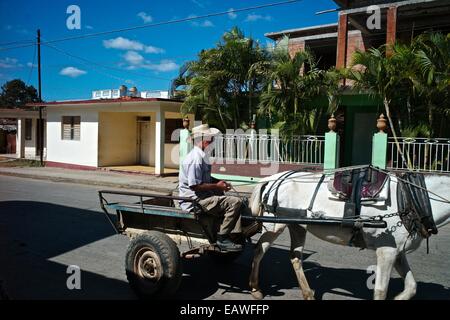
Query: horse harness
x=414, y=206
x=275, y=208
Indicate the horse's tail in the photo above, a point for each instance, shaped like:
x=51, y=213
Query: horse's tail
x=255, y=199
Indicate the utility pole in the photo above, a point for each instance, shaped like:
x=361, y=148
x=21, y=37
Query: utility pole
x=40, y=126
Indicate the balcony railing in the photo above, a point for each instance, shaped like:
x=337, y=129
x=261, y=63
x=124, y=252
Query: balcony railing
x=264, y=148
x=422, y=154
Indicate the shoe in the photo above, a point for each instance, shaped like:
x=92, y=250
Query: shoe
x=225, y=244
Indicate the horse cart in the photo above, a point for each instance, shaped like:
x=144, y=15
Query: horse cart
x=162, y=235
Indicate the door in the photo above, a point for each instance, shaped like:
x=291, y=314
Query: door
x=363, y=129
x=144, y=142
x=40, y=130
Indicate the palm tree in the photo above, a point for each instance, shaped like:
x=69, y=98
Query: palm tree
x=289, y=82
x=433, y=76
x=219, y=85
x=372, y=71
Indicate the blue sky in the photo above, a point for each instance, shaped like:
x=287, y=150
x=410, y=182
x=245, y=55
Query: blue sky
x=147, y=58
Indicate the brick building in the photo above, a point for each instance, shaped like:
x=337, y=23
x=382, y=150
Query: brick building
x=357, y=29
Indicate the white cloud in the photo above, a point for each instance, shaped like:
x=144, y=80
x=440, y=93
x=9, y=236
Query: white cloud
x=18, y=29
x=231, y=14
x=207, y=23
x=198, y=3
x=204, y=24
x=163, y=66
x=127, y=44
x=123, y=44
x=133, y=58
x=255, y=17
x=145, y=17
x=152, y=49
x=72, y=72
x=89, y=27
x=9, y=63
x=29, y=65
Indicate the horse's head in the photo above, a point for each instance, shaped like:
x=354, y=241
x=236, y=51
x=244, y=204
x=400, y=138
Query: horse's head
x=439, y=185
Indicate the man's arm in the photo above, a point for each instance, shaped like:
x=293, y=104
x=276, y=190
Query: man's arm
x=219, y=186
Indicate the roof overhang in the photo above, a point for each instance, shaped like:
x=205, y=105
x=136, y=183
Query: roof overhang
x=93, y=102
x=303, y=32
x=20, y=113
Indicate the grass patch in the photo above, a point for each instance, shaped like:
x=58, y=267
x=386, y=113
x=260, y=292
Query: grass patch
x=20, y=163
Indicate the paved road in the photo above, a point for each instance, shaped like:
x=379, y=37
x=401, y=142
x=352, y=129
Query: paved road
x=47, y=226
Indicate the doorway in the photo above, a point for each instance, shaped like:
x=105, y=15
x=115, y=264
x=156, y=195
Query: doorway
x=360, y=125
x=362, y=138
x=143, y=143
x=40, y=129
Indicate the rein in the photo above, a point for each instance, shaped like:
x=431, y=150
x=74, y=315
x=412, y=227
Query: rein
x=331, y=171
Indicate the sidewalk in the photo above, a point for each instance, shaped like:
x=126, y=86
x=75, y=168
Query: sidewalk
x=100, y=178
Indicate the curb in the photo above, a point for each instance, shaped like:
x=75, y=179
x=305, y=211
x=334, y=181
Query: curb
x=85, y=182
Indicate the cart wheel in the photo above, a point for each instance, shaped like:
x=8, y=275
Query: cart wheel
x=153, y=265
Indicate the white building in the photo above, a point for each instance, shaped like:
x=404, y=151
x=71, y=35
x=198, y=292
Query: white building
x=111, y=132
x=27, y=143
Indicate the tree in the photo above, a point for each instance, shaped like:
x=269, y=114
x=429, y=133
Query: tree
x=16, y=93
x=218, y=84
x=433, y=74
x=372, y=71
x=290, y=82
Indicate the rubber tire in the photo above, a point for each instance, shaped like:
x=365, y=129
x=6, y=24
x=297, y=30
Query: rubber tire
x=171, y=263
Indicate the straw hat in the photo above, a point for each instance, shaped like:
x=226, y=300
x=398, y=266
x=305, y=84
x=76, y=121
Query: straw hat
x=205, y=130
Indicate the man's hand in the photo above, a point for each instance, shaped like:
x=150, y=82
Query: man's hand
x=219, y=186
x=223, y=186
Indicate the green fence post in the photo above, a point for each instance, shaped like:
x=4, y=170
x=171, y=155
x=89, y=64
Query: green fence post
x=380, y=144
x=185, y=143
x=331, y=156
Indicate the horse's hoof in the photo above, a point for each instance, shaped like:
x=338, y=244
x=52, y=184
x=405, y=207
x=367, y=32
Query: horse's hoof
x=309, y=295
x=257, y=294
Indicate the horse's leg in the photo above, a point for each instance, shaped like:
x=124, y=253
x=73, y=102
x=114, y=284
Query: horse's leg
x=403, y=269
x=386, y=257
x=298, y=235
x=264, y=243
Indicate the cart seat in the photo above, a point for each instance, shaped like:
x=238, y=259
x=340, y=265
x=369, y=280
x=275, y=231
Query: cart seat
x=150, y=209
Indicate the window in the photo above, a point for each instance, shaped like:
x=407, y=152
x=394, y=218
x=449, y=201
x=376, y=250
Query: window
x=28, y=128
x=70, y=128
x=171, y=126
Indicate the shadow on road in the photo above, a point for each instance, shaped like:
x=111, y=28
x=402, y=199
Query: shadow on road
x=277, y=275
x=32, y=234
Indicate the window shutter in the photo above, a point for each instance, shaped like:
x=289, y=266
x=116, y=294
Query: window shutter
x=66, y=124
x=71, y=128
x=76, y=128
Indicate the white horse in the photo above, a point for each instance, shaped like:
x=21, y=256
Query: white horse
x=391, y=244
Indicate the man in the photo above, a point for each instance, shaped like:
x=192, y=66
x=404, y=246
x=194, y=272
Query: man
x=196, y=182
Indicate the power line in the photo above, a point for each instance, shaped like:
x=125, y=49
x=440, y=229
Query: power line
x=86, y=61
x=18, y=41
x=32, y=66
x=151, y=25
